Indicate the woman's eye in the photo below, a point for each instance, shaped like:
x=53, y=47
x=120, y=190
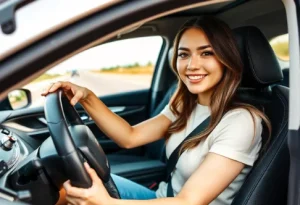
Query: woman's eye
x=182, y=55
x=207, y=53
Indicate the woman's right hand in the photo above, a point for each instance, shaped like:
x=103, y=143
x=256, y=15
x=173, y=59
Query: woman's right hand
x=75, y=93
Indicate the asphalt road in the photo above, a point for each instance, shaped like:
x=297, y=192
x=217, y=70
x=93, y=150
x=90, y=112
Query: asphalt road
x=101, y=84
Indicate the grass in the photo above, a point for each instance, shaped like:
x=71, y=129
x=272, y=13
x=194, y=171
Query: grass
x=128, y=70
x=46, y=77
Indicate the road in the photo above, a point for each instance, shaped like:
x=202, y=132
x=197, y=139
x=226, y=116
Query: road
x=100, y=83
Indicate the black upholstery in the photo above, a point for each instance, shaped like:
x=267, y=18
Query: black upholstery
x=286, y=77
x=267, y=182
x=261, y=67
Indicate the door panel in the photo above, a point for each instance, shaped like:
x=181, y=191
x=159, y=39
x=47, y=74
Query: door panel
x=132, y=106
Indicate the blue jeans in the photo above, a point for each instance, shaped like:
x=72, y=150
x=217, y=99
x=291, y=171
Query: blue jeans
x=131, y=190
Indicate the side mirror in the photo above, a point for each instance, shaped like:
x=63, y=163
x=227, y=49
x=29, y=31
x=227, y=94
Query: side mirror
x=20, y=98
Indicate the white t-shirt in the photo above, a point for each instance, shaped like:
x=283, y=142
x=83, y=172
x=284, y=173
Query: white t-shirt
x=233, y=137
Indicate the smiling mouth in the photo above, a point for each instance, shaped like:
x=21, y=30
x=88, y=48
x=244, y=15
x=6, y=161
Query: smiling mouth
x=195, y=77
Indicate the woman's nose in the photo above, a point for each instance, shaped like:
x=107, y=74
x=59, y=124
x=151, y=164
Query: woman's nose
x=194, y=63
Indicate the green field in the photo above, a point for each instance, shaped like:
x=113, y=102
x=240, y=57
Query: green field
x=135, y=68
x=46, y=77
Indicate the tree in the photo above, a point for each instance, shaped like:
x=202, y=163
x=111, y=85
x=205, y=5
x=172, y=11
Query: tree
x=149, y=63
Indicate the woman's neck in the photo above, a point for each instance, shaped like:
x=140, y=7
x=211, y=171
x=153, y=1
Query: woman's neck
x=204, y=98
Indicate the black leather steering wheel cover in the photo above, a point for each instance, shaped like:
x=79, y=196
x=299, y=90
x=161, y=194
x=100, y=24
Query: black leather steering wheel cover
x=57, y=110
x=56, y=105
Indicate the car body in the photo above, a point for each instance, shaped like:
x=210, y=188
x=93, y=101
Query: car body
x=34, y=61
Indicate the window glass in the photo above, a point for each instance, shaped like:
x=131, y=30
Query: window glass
x=280, y=45
x=111, y=68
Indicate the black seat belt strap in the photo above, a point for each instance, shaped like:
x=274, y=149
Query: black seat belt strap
x=172, y=161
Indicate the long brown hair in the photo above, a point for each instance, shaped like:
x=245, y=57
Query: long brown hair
x=222, y=100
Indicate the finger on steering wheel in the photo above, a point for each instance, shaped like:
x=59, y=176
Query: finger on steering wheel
x=78, y=95
x=46, y=89
x=50, y=88
x=55, y=86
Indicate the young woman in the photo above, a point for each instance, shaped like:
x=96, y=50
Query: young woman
x=214, y=164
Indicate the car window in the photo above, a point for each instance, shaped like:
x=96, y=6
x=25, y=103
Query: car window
x=111, y=68
x=280, y=45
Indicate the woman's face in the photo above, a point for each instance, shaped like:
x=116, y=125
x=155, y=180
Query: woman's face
x=197, y=65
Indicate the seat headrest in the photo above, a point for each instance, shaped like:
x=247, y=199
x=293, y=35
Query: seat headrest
x=261, y=67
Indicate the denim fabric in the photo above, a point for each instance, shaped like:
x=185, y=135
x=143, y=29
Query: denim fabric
x=131, y=190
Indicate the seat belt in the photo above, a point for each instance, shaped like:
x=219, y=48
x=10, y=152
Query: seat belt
x=172, y=161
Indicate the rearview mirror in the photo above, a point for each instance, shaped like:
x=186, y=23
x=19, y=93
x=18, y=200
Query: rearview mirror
x=20, y=98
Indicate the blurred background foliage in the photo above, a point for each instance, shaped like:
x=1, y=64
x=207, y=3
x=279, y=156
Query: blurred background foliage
x=280, y=46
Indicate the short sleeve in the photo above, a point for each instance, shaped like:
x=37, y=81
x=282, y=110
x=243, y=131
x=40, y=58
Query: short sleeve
x=168, y=113
x=234, y=137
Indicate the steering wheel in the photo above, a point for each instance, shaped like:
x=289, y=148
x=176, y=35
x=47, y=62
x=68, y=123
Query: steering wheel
x=75, y=143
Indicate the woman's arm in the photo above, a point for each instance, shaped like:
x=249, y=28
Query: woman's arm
x=210, y=179
x=119, y=130
x=112, y=125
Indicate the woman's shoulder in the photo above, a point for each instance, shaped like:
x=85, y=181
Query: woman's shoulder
x=236, y=137
x=240, y=119
x=239, y=114
x=238, y=127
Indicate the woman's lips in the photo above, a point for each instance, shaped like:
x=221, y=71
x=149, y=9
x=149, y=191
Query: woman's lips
x=195, y=78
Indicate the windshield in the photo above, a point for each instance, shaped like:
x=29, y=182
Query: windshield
x=41, y=17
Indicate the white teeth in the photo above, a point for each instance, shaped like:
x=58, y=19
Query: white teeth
x=195, y=77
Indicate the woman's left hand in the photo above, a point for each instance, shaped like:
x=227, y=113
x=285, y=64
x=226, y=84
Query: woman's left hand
x=96, y=194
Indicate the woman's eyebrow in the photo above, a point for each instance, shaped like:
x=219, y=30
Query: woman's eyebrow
x=203, y=47
x=199, y=48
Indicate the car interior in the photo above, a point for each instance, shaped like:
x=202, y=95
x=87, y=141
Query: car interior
x=31, y=165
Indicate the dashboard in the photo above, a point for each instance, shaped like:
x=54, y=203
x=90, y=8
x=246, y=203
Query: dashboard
x=25, y=172
x=12, y=152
